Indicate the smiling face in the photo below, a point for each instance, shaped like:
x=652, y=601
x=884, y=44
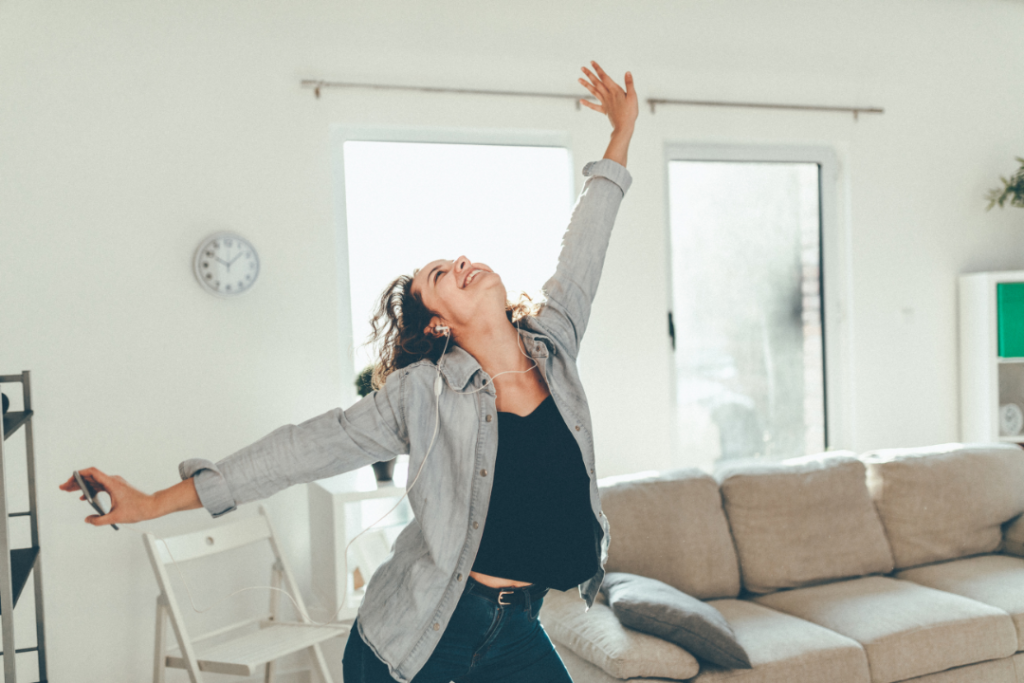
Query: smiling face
x=461, y=293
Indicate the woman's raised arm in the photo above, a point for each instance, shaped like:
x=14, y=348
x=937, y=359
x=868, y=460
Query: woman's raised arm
x=572, y=288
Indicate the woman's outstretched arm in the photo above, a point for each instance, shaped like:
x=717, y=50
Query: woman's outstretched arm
x=371, y=430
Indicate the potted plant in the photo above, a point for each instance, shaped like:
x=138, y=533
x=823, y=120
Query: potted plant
x=1012, y=190
x=384, y=471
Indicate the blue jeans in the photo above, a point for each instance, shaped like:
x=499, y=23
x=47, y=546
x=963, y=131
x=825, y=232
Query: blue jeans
x=483, y=643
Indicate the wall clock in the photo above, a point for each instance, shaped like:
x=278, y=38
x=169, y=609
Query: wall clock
x=226, y=264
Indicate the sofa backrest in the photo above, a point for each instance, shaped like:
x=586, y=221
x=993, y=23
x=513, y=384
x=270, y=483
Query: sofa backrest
x=671, y=527
x=803, y=521
x=947, y=501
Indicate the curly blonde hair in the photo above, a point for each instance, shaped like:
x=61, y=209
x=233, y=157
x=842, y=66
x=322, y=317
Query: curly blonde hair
x=399, y=320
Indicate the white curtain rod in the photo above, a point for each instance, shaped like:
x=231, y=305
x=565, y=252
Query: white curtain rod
x=316, y=86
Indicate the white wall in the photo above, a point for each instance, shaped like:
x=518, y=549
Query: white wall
x=129, y=131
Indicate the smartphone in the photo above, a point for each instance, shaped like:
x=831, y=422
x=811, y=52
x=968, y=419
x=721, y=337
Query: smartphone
x=90, y=496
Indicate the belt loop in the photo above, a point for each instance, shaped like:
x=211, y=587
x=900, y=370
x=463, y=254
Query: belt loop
x=526, y=600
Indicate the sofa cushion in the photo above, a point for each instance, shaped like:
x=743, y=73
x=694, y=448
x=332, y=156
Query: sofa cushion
x=992, y=671
x=671, y=528
x=948, y=501
x=598, y=637
x=995, y=580
x=654, y=607
x=583, y=671
x=906, y=629
x=782, y=648
x=803, y=521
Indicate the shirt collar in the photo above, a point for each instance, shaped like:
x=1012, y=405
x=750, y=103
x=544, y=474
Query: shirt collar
x=458, y=366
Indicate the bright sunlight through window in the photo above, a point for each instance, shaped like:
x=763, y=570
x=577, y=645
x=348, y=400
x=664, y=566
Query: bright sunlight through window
x=411, y=203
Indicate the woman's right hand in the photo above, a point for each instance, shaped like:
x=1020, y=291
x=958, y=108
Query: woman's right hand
x=618, y=104
x=127, y=503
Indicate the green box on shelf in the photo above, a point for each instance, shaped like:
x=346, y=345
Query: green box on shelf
x=1010, y=302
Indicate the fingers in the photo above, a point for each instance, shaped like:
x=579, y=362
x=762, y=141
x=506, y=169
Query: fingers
x=69, y=485
x=606, y=80
x=588, y=103
x=595, y=85
x=591, y=88
x=629, y=83
x=97, y=520
x=97, y=478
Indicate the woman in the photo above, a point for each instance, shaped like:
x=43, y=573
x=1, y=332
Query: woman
x=497, y=521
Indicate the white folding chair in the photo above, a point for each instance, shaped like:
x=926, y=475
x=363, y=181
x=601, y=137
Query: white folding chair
x=244, y=654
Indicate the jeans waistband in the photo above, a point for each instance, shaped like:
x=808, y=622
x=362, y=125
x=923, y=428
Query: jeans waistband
x=522, y=595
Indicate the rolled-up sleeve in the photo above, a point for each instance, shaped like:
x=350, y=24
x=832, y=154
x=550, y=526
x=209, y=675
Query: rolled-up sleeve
x=571, y=290
x=372, y=430
x=213, y=490
x=612, y=170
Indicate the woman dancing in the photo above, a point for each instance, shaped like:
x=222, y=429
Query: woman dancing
x=489, y=391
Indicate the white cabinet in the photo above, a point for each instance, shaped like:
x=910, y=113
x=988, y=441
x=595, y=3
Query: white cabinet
x=339, y=508
x=991, y=357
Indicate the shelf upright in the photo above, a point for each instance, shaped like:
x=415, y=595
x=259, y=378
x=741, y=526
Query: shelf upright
x=991, y=369
x=17, y=564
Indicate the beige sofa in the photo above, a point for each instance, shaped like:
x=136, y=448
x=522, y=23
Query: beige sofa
x=898, y=565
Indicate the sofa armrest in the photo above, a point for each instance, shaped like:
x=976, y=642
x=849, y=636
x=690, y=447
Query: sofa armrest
x=598, y=637
x=1013, y=536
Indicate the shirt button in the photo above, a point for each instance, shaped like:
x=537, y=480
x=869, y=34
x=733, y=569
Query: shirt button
x=459, y=577
x=591, y=470
x=488, y=418
x=483, y=473
x=577, y=428
x=437, y=626
x=476, y=525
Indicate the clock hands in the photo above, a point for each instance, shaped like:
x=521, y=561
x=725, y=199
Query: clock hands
x=228, y=263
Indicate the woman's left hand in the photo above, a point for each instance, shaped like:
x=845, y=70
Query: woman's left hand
x=620, y=105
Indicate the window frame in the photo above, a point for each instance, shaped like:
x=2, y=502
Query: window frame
x=836, y=285
x=339, y=135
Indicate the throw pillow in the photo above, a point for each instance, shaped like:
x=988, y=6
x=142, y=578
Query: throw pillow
x=654, y=607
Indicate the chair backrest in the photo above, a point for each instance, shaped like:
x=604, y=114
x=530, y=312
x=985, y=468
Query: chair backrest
x=198, y=544
x=207, y=542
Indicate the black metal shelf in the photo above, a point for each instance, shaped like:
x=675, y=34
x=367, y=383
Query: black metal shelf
x=14, y=419
x=22, y=562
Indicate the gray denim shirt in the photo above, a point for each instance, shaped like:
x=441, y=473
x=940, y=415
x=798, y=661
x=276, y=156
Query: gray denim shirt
x=412, y=595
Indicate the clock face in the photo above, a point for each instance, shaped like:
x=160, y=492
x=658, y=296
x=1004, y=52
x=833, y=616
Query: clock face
x=1011, y=419
x=226, y=264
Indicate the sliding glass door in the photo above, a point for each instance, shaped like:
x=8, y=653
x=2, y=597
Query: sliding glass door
x=746, y=264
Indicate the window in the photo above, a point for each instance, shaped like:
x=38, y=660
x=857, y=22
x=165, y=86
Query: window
x=408, y=203
x=746, y=259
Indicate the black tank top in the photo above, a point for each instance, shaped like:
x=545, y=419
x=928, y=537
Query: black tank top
x=540, y=526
